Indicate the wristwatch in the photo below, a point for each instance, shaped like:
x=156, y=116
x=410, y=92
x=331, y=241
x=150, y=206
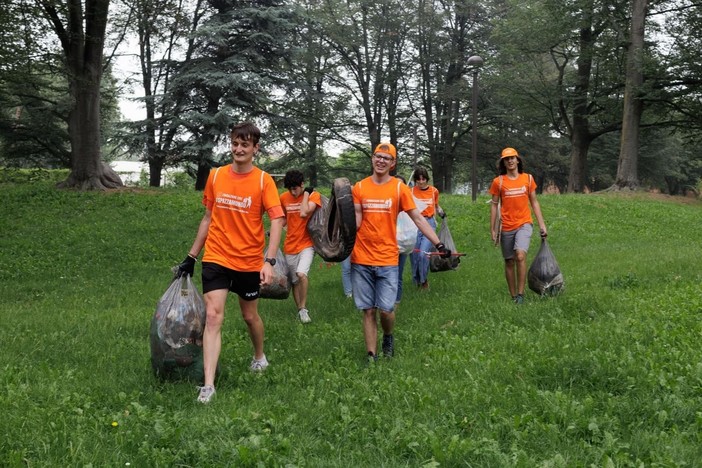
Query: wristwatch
x=270, y=260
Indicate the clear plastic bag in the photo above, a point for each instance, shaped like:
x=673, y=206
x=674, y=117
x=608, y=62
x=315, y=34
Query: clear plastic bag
x=280, y=286
x=181, y=313
x=406, y=233
x=176, y=332
x=407, y=230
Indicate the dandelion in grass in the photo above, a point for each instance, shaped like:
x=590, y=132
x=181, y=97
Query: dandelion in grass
x=115, y=424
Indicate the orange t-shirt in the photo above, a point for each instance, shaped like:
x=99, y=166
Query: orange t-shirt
x=297, y=238
x=515, y=199
x=236, y=238
x=430, y=196
x=376, y=238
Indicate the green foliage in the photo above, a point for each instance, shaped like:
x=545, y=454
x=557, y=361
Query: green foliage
x=23, y=176
x=183, y=181
x=606, y=374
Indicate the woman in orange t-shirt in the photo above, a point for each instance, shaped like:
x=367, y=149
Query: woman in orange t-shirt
x=429, y=196
x=515, y=190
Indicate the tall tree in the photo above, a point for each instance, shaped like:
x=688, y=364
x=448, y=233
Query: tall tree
x=80, y=28
x=32, y=95
x=446, y=34
x=164, y=31
x=306, y=112
x=230, y=75
x=566, y=58
x=365, y=36
x=627, y=169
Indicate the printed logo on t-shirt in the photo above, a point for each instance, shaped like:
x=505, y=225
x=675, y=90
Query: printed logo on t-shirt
x=233, y=202
x=377, y=205
x=293, y=207
x=515, y=192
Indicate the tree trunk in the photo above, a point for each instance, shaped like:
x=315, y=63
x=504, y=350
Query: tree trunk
x=82, y=40
x=580, y=145
x=88, y=171
x=580, y=134
x=627, y=167
x=155, y=169
x=203, y=172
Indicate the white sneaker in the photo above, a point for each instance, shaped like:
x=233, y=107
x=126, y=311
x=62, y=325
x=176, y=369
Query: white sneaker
x=206, y=393
x=259, y=365
x=304, y=315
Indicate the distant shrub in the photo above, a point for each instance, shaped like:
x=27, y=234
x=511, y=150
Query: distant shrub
x=22, y=176
x=182, y=181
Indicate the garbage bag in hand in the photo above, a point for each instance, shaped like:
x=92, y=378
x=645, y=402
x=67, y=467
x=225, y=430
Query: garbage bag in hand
x=176, y=332
x=407, y=230
x=333, y=226
x=406, y=233
x=544, y=276
x=436, y=263
x=280, y=285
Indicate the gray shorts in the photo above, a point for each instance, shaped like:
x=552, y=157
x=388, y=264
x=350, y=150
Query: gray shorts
x=518, y=239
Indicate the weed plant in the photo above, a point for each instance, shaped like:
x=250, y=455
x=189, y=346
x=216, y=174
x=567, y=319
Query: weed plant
x=609, y=373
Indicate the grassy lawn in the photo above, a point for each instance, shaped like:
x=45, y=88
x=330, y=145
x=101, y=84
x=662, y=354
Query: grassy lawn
x=607, y=374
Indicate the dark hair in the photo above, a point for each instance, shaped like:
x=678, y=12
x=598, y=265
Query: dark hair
x=420, y=172
x=293, y=178
x=246, y=131
x=503, y=169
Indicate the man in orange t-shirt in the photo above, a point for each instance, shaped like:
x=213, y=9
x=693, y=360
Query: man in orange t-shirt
x=299, y=203
x=516, y=190
x=377, y=200
x=232, y=233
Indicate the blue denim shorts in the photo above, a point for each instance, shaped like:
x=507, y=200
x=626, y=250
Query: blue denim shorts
x=374, y=287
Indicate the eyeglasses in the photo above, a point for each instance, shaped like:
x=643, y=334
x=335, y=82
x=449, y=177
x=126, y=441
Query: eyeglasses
x=383, y=158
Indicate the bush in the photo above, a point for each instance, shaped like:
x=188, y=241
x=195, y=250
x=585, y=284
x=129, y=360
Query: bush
x=19, y=176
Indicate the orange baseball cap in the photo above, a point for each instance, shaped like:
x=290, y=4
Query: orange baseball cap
x=388, y=148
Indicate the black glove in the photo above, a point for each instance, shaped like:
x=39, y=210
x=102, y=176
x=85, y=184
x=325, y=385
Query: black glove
x=186, y=267
x=442, y=214
x=441, y=248
x=309, y=190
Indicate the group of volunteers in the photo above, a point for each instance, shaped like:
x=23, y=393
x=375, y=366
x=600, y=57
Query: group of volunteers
x=237, y=195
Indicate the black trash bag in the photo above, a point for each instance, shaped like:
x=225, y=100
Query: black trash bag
x=176, y=332
x=282, y=280
x=436, y=263
x=333, y=226
x=544, y=276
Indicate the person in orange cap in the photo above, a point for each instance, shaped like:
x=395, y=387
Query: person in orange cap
x=378, y=199
x=514, y=190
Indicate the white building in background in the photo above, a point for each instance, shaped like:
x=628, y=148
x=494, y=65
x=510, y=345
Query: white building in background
x=131, y=172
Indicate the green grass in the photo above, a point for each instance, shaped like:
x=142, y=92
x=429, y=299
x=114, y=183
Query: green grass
x=607, y=374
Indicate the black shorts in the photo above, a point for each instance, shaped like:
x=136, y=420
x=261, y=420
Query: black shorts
x=246, y=284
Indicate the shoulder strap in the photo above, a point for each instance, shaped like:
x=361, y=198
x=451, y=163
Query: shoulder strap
x=214, y=179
